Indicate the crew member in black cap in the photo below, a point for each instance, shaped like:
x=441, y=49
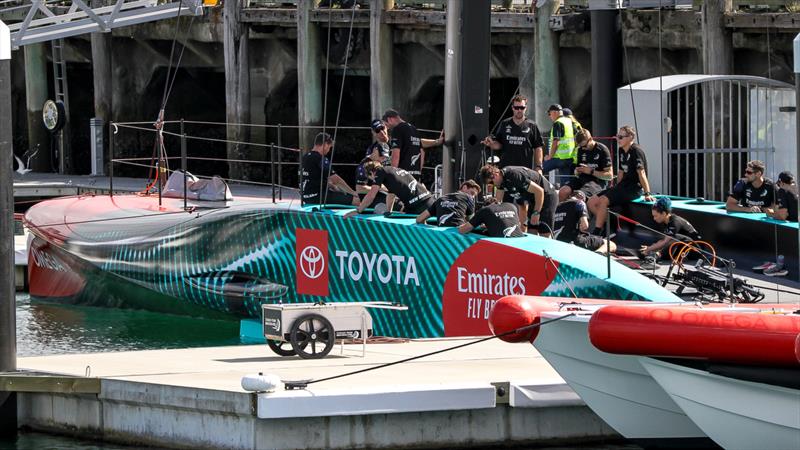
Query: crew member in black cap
x=563, y=152
x=786, y=204
x=593, y=170
x=406, y=146
x=317, y=172
x=399, y=184
x=571, y=225
x=377, y=151
x=517, y=138
x=535, y=197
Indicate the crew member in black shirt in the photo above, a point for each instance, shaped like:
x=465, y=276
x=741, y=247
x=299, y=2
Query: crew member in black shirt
x=571, y=225
x=631, y=179
x=317, y=172
x=593, y=170
x=399, y=184
x=377, y=151
x=408, y=149
x=453, y=209
x=674, y=227
x=786, y=203
x=754, y=193
x=518, y=139
x=535, y=197
x=500, y=220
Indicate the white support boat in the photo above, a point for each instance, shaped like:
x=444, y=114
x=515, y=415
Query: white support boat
x=736, y=414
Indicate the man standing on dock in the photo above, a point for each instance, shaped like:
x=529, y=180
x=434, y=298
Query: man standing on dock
x=754, y=193
x=317, y=172
x=408, y=149
x=631, y=179
x=518, y=139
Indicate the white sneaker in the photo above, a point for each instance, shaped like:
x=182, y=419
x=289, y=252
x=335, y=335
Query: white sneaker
x=763, y=266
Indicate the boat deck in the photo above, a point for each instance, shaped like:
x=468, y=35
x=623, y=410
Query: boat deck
x=487, y=394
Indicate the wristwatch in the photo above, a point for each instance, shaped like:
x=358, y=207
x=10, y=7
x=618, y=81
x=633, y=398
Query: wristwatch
x=535, y=213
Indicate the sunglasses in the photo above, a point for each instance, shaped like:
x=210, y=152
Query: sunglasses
x=623, y=136
x=749, y=172
x=518, y=108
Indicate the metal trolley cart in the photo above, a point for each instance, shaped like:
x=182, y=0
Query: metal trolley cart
x=309, y=330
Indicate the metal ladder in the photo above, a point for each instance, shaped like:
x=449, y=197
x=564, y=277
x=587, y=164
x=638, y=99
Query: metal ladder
x=62, y=93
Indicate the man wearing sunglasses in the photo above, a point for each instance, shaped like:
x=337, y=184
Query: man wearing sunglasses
x=754, y=193
x=517, y=138
x=631, y=179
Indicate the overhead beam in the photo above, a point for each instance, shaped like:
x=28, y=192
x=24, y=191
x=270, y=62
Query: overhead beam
x=786, y=22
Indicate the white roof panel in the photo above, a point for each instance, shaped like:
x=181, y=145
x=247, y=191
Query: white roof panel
x=671, y=82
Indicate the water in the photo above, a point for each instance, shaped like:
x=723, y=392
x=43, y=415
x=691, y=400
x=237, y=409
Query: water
x=52, y=329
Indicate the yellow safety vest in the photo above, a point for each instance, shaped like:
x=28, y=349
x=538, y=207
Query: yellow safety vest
x=566, y=144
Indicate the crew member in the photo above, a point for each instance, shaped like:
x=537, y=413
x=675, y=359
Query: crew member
x=317, y=172
x=399, y=184
x=575, y=124
x=562, y=143
x=571, y=225
x=531, y=191
x=674, y=227
x=754, y=193
x=377, y=151
x=453, y=209
x=517, y=138
x=500, y=220
x=631, y=179
x=593, y=170
x=408, y=150
x=786, y=203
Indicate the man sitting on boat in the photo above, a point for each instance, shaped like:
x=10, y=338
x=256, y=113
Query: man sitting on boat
x=786, y=201
x=317, y=172
x=674, y=228
x=631, y=179
x=400, y=185
x=377, y=151
x=593, y=170
x=754, y=193
x=535, y=197
x=500, y=220
x=571, y=225
x=453, y=209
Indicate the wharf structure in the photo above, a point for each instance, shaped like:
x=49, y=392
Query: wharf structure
x=262, y=62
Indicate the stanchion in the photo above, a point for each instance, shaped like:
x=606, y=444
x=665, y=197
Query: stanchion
x=272, y=169
x=280, y=165
x=183, y=165
x=608, y=243
x=111, y=159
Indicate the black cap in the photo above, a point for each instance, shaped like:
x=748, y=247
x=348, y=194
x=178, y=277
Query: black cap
x=567, y=111
x=377, y=125
x=323, y=138
x=786, y=177
x=555, y=107
x=390, y=113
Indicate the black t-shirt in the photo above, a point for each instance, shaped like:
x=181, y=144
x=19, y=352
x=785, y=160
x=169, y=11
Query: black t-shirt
x=402, y=184
x=316, y=169
x=598, y=158
x=518, y=142
x=788, y=200
x=500, y=219
x=680, y=228
x=567, y=220
x=748, y=195
x=516, y=180
x=383, y=150
x=406, y=138
x=629, y=164
x=453, y=209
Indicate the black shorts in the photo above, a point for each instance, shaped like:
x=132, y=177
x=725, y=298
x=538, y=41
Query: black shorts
x=589, y=241
x=620, y=196
x=418, y=207
x=547, y=215
x=590, y=188
x=331, y=198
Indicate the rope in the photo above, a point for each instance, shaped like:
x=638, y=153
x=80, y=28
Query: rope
x=302, y=384
x=550, y=260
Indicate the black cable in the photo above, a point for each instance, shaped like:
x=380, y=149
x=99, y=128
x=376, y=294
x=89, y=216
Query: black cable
x=302, y=384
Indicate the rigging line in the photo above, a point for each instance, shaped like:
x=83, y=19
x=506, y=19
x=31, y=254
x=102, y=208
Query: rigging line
x=178, y=64
x=558, y=271
x=661, y=86
x=627, y=68
x=171, y=56
x=341, y=94
x=304, y=383
x=327, y=69
x=510, y=100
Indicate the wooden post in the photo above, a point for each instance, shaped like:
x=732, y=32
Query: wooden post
x=717, y=40
x=381, y=50
x=546, y=90
x=237, y=86
x=525, y=69
x=309, y=73
x=102, y=76
x=35, y=95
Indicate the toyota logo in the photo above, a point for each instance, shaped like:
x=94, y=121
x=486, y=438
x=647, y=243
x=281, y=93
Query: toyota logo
x=311, y=262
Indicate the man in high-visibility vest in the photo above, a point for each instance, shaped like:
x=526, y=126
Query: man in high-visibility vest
x=562, y=144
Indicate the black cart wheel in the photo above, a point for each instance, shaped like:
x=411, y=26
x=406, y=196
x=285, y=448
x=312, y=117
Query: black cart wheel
x=312, y=336
x=282, y=348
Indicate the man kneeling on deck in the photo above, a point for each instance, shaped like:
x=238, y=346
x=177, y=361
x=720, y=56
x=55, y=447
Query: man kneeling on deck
x=399, y=184
x=500, y=220
x=571, y=225
x=754, y=193
x=535, y=197
x=453, y=209
x=674, y=228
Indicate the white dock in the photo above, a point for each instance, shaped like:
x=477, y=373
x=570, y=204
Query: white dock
x=492, y=393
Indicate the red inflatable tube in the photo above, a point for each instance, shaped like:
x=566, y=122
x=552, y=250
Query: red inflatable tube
x=517, y=311
x=719, y=335
x=797, y=348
